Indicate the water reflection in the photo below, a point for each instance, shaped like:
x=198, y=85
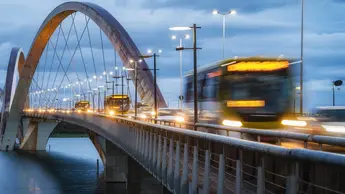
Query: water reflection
x=69, y=167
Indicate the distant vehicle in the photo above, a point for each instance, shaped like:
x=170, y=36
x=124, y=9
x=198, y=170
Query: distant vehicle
x=117, y=103
x=171, y=114
x=332, y=118
x=253, y=92
x=82, y=105
x=145, y=111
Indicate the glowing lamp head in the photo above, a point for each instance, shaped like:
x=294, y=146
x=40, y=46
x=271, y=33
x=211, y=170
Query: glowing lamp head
x=215, y=12
x=232, y=12
x=173, y=37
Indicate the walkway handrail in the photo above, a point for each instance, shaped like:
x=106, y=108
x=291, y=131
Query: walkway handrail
x=278, y=133
x=298, y=154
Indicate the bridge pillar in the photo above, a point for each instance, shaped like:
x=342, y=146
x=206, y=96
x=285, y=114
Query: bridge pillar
x=141, y=181
x=121, y=172
x=37, y=135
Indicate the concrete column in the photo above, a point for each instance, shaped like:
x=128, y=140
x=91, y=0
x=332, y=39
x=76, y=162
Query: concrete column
x=37, y=136
x=142, y=182
x=115, y=164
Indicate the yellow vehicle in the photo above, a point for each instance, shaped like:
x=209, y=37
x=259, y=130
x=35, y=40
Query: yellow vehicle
x=116, y=104
x=82, y=105
x=244, y=92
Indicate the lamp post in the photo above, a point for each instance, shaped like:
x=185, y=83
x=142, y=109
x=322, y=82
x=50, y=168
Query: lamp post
x=136, y=85
x=181, y=81
x=224, y=14
x=296, y=91
x=336, y=83
x=154, y=55
x=195, y=48
x=301, y=66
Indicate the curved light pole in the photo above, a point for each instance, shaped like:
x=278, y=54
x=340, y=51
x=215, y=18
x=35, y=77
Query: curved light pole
x=181, y=80
x=224, y=14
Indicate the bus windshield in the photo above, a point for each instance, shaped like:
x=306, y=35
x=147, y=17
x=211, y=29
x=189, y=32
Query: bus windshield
x=117, y=102
x=271, y=89
x=82, y=105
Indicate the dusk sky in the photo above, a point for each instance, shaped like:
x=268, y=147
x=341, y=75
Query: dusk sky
x=265, y=27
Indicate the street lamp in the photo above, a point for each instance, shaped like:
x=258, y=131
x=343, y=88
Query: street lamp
x=136, y=85
x=194, y=27
x=181, y=81
x=154, y=55
x=336, y=83
x=224, y=14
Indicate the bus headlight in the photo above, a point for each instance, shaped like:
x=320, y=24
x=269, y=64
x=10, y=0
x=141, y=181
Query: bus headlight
x=294, y=123
x=112, y=113
x=179, y=119
x=231, y=123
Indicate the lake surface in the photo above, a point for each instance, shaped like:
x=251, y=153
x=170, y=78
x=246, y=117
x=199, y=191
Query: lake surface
x=70, y=166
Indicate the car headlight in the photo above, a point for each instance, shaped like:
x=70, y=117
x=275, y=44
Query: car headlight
x=231, y=123
x=294, y=123
x=332, y=128
x=179, y=119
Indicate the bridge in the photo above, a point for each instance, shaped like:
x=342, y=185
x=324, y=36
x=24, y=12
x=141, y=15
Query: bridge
x=161, y=157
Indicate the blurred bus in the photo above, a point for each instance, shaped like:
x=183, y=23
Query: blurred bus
x=244, y=92
x=82, y=105
x=117, y=103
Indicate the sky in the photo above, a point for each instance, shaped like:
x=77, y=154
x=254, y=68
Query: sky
x=265, y=28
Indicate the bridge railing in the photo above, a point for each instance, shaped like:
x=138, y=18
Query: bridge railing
x=257, y=134
x=186, y=159
x=182, y=158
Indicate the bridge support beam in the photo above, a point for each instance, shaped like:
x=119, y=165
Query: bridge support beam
x=37, y=135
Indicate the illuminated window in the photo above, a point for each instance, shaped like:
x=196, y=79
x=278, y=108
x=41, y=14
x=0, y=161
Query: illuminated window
x=258, y=66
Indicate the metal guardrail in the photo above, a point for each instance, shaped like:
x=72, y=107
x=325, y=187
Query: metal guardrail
x=279, y=134
x=209, y=163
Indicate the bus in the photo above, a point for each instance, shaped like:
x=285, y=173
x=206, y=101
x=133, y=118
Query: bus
x=82, y=105
x=252, y=92
x=116, y=103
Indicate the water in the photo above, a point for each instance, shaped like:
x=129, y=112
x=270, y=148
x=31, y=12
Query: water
x=69, y=167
